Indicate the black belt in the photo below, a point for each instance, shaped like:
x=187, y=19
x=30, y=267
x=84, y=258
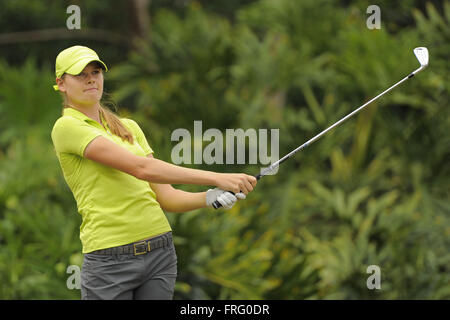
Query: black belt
x=140, y=247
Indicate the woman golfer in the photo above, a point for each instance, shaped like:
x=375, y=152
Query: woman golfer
x=121, y=190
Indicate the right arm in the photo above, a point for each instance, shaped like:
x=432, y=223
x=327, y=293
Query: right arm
x=154, y=170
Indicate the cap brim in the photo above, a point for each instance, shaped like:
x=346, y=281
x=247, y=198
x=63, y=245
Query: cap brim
x=79, y=66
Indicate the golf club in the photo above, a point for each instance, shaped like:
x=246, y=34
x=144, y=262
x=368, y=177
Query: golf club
x=421, y=54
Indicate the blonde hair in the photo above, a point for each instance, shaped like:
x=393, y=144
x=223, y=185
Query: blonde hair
x=115, y=125
x=113, y=121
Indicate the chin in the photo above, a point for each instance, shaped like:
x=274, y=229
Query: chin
x=93, y=96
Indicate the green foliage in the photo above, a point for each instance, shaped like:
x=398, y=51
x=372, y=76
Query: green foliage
x=372, y=192
x=38, y=226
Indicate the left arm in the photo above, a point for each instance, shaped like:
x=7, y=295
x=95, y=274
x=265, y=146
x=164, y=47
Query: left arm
x=173, y=200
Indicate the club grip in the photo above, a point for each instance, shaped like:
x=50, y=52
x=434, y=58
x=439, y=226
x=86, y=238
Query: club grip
x=216, y=204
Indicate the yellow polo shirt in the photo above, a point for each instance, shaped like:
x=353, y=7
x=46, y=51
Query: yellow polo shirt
x=116, y=208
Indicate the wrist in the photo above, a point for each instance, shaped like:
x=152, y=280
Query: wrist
x=203, y=202
x=214, y=179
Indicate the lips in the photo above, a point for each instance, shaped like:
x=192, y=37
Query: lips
x=90, y=89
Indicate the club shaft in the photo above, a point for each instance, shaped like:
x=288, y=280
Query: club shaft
x=307, y=143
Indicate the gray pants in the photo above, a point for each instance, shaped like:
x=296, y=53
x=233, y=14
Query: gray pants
x=149, y=276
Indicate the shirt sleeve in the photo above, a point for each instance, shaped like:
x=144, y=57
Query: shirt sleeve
x=70, y=135
x=140, y=137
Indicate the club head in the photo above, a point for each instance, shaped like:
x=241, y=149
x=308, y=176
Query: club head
x=422, y=55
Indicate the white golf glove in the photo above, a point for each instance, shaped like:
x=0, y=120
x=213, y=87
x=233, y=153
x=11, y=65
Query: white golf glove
x=226, y=199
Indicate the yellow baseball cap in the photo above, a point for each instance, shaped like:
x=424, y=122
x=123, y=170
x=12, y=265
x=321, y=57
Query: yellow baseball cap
x=73, y=60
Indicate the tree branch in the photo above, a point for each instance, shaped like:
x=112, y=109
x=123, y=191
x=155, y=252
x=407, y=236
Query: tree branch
x=63, y=33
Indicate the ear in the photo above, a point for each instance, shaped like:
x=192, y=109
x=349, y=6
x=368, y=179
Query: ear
x=60, y=84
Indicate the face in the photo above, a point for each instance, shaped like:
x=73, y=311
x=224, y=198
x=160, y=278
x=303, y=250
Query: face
x=84, y=89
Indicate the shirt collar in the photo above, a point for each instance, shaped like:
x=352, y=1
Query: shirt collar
x=80, y=115
x=76, y=114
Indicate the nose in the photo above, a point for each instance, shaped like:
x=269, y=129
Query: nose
x=90, y=79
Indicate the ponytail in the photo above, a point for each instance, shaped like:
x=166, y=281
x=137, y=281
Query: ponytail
x=115, y=125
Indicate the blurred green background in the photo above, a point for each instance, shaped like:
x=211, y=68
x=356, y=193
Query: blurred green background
x=374, y=191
